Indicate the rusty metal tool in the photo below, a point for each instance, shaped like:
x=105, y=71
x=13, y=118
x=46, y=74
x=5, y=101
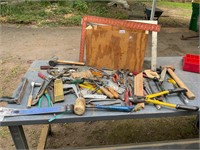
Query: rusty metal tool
x=18, y=98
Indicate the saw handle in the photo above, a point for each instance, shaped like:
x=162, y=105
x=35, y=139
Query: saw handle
x=180, y=83
x=185, y=107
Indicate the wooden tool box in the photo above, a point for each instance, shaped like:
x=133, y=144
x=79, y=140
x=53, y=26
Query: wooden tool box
x=115, y=47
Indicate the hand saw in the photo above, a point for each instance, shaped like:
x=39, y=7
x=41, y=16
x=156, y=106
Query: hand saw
x=4, y=112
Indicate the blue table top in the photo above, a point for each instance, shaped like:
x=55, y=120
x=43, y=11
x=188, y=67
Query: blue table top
x=192, y=80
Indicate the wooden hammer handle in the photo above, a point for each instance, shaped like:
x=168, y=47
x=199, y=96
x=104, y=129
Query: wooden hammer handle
x=70, y=62
x=30, y=99
x=180, y=83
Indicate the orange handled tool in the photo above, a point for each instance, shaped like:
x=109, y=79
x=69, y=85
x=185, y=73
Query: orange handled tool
x=116, y=78
x=114, y=93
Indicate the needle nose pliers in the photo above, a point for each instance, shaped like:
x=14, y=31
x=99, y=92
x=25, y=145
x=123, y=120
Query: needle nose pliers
x=47, y=97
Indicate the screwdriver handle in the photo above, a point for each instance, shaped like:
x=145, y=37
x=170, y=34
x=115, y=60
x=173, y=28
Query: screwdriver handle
x=30, y=98
x=126, y=96
x=113, y=92
x=77, y=81
x=45, y=67
x=41, y=75
x=117, y=108
x=185, y=107
x=106, y=92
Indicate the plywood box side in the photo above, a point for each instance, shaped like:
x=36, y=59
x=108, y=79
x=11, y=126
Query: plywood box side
x=115, y=49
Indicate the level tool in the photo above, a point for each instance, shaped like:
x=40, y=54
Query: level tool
x=113, y=22
x=34, y=111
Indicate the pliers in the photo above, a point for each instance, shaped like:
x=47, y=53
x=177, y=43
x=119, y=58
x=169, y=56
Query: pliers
x=47, y=97
x=116, y=79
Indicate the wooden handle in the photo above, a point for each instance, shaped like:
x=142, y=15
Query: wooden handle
x=106, y=92
x=71, y=62
x=79, y=106
x=138, y=87
x=30, y=98
x=113, y=92
x=180, y=83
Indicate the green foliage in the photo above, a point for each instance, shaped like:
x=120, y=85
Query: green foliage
x=67, y=13
x=175, y=4
x=80, y=5
x=74, y=20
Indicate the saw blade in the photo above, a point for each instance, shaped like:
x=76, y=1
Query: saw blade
x=4, y=112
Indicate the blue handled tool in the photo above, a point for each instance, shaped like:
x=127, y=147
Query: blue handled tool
x=115, y=108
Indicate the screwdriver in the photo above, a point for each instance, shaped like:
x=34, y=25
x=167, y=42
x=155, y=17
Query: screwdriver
x=114, y=108
x=111, y=90
x=104, y=90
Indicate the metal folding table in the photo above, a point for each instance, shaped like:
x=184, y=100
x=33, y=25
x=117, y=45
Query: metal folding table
x=15, y=124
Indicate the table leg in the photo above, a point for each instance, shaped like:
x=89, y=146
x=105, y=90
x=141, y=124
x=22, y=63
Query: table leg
x=18, y=137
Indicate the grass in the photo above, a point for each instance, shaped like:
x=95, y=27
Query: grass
x=70, y=13
x=64, y=13
x=172, y=5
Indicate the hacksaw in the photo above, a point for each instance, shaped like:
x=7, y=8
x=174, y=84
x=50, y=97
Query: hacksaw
x=113, y=22
x=4, y=112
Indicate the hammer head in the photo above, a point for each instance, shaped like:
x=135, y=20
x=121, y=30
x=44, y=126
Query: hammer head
x=53, y=61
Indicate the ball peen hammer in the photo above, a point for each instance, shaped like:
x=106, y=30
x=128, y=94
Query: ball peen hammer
x=170, y=70
x=55, y=61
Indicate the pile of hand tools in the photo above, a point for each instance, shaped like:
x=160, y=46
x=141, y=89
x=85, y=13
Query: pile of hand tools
x=100, y=88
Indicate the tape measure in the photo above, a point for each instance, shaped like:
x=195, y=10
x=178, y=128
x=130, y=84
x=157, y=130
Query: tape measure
x=113, y=22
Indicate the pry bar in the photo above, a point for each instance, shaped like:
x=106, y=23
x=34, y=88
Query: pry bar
x=18, y=98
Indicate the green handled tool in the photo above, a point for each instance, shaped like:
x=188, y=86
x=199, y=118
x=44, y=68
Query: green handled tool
x=47, y=97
